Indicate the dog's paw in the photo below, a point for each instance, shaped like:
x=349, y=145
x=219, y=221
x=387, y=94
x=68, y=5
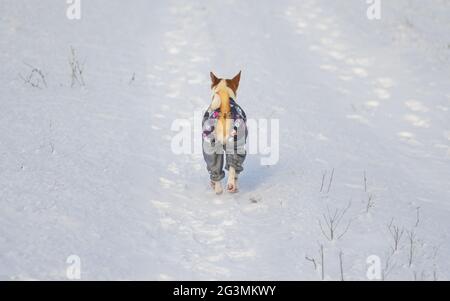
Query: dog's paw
x=232, y=181
x=232, y=187
x=217, y=187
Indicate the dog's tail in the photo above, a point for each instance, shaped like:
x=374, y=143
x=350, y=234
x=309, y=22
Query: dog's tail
x=223, y=118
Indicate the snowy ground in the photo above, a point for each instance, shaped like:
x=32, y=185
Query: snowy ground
x=89, y=170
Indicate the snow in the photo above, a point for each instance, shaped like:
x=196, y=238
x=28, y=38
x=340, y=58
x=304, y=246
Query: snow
x=89, y=171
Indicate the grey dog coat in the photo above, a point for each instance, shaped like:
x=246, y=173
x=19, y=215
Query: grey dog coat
x=233, y=149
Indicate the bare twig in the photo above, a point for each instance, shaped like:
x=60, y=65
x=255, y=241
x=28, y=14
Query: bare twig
x=388, y=267
x=396, y=234
x=417, y=217
x=341, y=265
x=423, y=276
x=52, y=147
x=35, y=78
x=133, y=78
x=365, y=182
x=322, y=262
x=76, y=69
x=386, y=270
x=312, y=260
x=412, y=243
x=331, y=181
x=370, y=203
x=324, y=174
x=332, y=222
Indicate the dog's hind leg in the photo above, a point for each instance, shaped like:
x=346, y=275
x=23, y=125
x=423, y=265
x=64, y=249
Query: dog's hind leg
x=232, y=180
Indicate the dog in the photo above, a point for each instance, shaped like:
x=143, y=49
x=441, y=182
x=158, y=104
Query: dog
x=224, y=134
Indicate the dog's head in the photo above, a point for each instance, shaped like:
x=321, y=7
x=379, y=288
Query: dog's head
x=223, y=89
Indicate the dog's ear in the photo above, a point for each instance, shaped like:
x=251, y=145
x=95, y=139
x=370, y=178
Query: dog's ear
x=234, y=83
x=214, y=79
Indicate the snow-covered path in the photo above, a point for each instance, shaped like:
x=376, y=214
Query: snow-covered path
x=89, y=171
